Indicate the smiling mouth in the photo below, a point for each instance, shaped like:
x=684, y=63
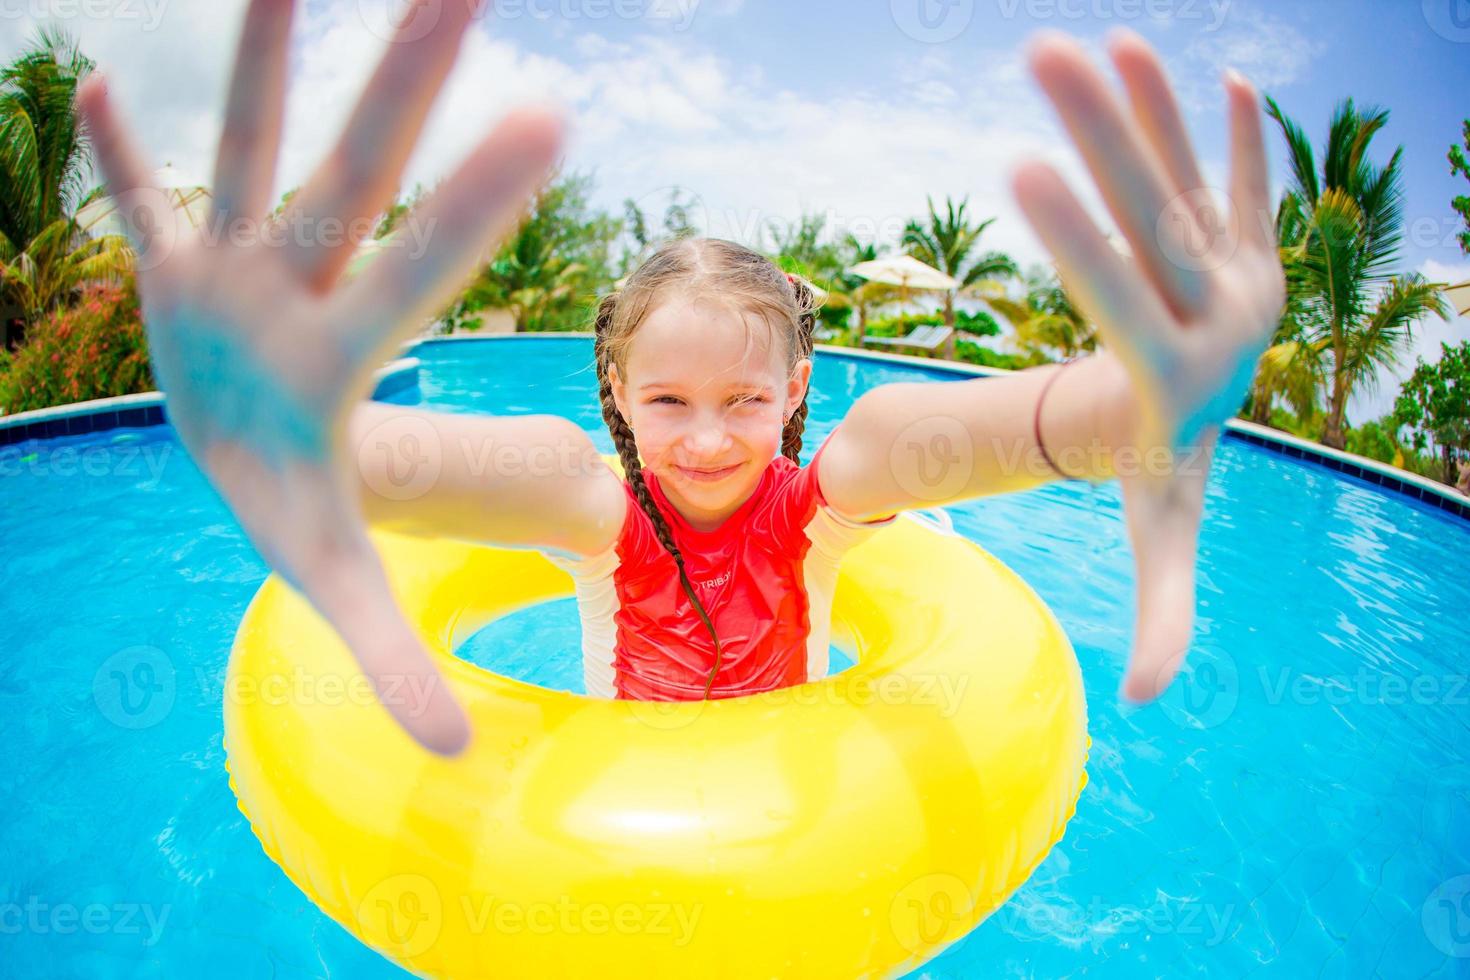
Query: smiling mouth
x=707, y=476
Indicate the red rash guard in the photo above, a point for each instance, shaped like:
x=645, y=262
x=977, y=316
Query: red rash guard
x=763, y=576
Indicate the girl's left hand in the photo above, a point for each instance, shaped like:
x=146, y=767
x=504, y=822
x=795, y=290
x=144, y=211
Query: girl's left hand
x=1188, y=315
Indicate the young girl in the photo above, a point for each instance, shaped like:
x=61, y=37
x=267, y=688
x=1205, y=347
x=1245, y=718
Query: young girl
x=708, y=573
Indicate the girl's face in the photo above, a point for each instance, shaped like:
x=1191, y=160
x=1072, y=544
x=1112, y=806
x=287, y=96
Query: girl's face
x=706, y=391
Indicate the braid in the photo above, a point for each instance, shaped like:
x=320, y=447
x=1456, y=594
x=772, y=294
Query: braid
x=806, y=322
x=622, y=436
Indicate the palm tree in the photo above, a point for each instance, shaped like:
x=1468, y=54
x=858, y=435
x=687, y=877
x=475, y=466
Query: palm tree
x=549, y=272
x=1348, y=315
x=856, y=292
x=948, y=244
x=44, y=162
x=1294, y=368
x=1043, y=318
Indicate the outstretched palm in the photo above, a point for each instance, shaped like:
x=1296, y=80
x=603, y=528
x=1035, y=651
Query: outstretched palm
x=263, y=355
x=1189, y=314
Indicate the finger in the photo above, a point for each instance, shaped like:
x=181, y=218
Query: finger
x=1132, y=181
x=142, y=206
x=1163, y=524
x=245, y=166
x=303, y=527
x=1155, y=109
x=450, y=234
x=1106, y=286
x=1249, y=179
x=361, y=173
x=359, y=603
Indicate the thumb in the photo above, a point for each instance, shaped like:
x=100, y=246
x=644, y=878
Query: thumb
x=1163, y=515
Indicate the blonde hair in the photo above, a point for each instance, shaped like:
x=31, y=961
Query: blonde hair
x=733, y=275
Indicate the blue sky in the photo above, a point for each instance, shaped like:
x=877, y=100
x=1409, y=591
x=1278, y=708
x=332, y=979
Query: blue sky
x=761, y=110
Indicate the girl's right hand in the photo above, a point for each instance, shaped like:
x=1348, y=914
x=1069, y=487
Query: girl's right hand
x=263, y=354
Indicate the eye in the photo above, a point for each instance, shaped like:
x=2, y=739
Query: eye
x=749, y=399
x=665, y=400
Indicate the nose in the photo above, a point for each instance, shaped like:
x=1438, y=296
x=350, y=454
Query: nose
x=706, y=437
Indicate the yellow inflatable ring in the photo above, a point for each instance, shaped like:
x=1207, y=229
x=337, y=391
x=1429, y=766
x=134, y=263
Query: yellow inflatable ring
x=851, y=827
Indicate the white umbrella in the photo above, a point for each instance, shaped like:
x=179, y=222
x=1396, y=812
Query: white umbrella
x=188, y=197
x=1459, y=296
x=905, y=272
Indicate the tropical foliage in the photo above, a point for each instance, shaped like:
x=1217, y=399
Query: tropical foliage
x=1349, y=316
x=1460, y=164
x=1434, y=405
x=950, y=243
x=93, y=349
x=549, y=271
x=45, y=258
x=1044, y=319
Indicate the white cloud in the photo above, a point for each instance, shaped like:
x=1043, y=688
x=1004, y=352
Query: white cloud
x=1265, y=49
x=646, y=114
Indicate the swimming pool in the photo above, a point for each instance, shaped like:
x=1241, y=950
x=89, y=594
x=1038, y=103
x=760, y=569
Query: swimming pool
x=1298, y=804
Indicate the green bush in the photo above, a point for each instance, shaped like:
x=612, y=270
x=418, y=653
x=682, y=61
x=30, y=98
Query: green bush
x=979, y=323
x=903, y=325
x=835, y=317
x=1372, y=439
x=94, y=349
x=973, y=353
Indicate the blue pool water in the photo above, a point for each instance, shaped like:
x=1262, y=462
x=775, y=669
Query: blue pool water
x=1298, y=805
